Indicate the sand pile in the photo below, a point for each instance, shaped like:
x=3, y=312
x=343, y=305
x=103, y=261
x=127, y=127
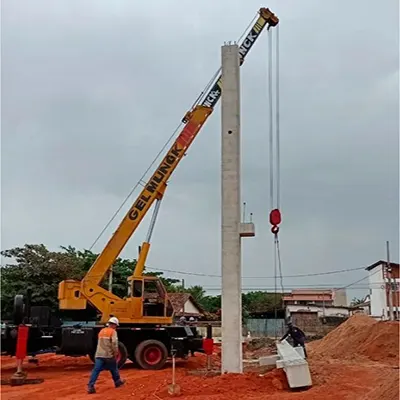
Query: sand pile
x=388, y=389
x=361, y=335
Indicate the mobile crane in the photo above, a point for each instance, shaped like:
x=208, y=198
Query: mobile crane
x=147, y=333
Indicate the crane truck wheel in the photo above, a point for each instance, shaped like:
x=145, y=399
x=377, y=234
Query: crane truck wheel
x=121, y=358
x=19, y=309
x=151, y=354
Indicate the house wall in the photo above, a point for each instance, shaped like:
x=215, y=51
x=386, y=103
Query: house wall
x=379, y=290
x=340, y=297
x=190, y=308
x=321, y=311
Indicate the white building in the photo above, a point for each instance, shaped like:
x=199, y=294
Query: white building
x=379, y=289
x=320, y=311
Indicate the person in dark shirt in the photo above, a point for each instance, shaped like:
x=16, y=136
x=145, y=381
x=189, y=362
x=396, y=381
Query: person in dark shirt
x=297, y=335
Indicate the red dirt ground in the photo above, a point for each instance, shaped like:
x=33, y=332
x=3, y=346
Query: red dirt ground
x=353, y=378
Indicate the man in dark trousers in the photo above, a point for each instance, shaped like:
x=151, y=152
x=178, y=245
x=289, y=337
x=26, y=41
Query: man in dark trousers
x=297, y=335
x=106, y=355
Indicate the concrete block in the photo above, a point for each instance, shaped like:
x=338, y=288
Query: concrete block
x=300, y=350
x=268, y=360
x=295, y=366
x=247, y=229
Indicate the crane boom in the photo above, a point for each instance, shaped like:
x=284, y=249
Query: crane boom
x=154, y=189
x=195, y=120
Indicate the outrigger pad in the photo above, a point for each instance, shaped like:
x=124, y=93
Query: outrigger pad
x=21, y=379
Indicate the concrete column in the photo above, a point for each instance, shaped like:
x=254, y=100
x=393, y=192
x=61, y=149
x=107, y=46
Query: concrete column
x=231, y=255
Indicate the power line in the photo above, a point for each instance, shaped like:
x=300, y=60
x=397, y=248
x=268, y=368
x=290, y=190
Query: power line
x=321, y=285
x=258, y=277
x=288, y=288
x=360, y=280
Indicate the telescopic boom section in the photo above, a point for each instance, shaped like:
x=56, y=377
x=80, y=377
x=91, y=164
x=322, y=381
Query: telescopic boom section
x=155, y=187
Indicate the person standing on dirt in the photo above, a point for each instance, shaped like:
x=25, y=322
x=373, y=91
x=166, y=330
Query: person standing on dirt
x=106, y=355
x=297, y=335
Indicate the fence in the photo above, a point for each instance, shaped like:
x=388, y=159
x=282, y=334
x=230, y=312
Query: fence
x=266, y=327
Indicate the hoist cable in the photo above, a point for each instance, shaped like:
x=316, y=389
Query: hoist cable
x=278, y=151
x=271, y=125
x=277, y=123
x=278, y=252
x=275, y=160
x=275, y=293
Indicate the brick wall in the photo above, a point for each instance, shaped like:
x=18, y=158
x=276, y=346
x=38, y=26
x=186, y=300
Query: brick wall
x=313, y=325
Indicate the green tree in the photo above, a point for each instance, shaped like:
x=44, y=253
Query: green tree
x=36, y=268
x=356, y=301
x=197, y=292
x=211, y=303
x=261, y=301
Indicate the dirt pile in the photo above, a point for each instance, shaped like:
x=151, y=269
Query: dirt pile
x=388, y=388
x=361, y=335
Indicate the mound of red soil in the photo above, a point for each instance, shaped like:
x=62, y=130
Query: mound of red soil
x=388, y=389
x=361, y=335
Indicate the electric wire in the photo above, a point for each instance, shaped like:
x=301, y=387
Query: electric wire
x=305, y=275
x=199, y=274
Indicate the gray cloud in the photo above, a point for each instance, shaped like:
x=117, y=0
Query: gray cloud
x=91, y=91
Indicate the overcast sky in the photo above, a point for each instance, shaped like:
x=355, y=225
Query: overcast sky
x=91, y=90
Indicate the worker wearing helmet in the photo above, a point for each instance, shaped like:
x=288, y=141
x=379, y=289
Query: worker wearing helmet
x=297, y=335
x=106, y=355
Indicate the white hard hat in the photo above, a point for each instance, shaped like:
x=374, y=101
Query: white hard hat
x=113, y=320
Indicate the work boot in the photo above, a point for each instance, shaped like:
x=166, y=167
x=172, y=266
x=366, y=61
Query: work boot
x=91, y=390
x=120, y=383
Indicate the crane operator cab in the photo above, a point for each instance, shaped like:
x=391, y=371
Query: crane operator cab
x=149, y=297
x=147, y=301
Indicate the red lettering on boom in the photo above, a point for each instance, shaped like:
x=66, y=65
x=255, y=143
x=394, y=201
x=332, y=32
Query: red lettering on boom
x=187, y=134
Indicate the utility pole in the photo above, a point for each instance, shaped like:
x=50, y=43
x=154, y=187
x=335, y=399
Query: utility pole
x=230, y=224
x=389, y=278
x=232, y=229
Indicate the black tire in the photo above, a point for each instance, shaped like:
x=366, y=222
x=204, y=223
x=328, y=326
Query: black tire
x=122, y=355
x=19, y=309
x=151, y=354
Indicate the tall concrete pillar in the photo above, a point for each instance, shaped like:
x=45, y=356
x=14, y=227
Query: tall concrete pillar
x=230, y=185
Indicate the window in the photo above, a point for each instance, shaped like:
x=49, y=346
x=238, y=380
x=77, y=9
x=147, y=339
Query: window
x=137, y=288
